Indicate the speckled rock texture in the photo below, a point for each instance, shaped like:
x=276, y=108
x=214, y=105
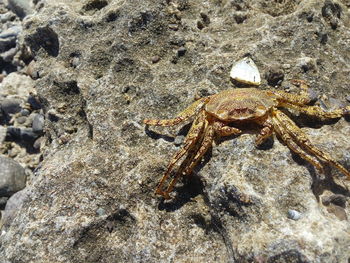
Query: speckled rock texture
x=102, y=66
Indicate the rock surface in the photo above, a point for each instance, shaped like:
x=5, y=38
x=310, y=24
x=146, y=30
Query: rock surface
x=92, y=198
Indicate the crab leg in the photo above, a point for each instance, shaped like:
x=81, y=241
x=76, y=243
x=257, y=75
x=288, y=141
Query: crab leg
x=283, y=132
x=297, y=99
x=193, y=109
x=180, y=172
x=192, y=159
x=191, y=139
x=265, y=132
x=318, y=112
x=223, y=130
x=300, y=137
x=206, y=144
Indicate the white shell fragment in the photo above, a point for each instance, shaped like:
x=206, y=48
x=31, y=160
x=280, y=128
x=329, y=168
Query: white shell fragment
x=245, y=71
x=293, y=214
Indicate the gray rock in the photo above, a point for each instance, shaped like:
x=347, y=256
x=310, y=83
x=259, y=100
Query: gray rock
x=22, y=8
x=13, y=206
x=38, y=123
x=10, y=106
x=26, y=135
x=233, y=208
x=21, y=119
x=12, y=177
x=25, y=112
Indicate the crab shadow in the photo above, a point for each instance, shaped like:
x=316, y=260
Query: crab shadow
x=319, y=185
x=156, y=135
x=193, y=185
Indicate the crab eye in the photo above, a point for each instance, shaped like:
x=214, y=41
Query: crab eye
x=260, y=110
x=223, y=113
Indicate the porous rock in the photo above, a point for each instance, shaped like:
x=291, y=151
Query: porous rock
x=234, y=207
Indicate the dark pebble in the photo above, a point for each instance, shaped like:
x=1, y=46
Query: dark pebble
x=200, y=25
x=38, y=123
x=34, y=102
x=205, y=18
x=181, y=51
x=274, y=76
x=10, y=106
x=18, y=134
x=12, y=177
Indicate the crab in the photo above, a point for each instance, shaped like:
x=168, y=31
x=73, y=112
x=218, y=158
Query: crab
x=224, y=113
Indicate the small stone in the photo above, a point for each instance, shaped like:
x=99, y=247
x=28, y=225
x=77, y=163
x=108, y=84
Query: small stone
x=293, y=214
x=181, y=51
x=155, y=59
x=100, y=211
x=12, y=177
x=21, y=119
x=25, y=112
x=10, y=106
x=22, y=8
x=38, y=123
x=34, y=102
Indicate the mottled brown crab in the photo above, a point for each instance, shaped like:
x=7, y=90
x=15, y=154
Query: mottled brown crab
x=217, y=115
